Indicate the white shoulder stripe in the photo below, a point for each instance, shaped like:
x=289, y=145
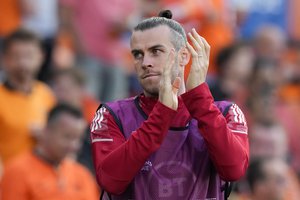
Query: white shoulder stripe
x=102, y=140
x=242, y=132
x=238, y=114
x=235, y=113
x=99, y=116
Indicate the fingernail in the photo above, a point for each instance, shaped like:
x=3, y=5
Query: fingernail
x=193, y=29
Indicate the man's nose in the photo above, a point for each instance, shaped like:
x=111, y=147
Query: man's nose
x=147, y=62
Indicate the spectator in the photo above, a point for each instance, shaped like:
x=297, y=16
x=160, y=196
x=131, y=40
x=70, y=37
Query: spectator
x=270, y=43
x=234, y=69
x=41, y=17
x=288, y=113
x=263, y=92
x=288, y=103
x=46, y=172
x=69, y=87
x=24, y=102
x=98, y=34
x=269, y=179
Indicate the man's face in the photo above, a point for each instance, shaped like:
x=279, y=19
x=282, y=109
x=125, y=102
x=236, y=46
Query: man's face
x=64, y=136
x=150, y=49
x=67, y=90
x=22, y=60
x=274, y=186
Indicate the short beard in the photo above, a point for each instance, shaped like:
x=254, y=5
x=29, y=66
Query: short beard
x=152, y=92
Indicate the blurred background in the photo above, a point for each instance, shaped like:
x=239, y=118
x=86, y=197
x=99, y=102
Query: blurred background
x=255, y=62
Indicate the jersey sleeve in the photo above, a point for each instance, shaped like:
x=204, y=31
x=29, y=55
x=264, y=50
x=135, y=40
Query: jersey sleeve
x=118, y=160
x=226, y=136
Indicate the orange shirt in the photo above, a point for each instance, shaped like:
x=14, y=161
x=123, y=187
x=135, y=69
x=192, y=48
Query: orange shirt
x=10, y=15
x=19, y=114
x=29, y=177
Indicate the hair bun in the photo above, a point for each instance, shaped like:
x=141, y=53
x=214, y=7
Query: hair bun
x=166, y=14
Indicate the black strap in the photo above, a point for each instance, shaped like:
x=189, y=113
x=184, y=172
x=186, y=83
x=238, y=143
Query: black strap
x=102, y=194
x=227, y=189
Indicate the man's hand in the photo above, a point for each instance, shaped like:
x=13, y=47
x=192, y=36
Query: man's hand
x=168, y=91
x=200, y=60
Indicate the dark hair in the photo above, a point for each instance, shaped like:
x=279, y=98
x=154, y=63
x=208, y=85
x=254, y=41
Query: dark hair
x=21, y=35
x=164, y=19
x=76, y=74
x=226, y=53
x=262, y=63
x=255, y=172
x=63, y=108
x=166, y=14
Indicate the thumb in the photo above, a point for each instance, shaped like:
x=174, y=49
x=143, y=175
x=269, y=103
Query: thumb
x=176, y=85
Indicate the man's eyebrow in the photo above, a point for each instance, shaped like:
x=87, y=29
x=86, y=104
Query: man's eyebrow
x=134, y=51
x=158, y=46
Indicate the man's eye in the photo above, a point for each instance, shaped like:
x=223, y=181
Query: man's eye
x=155, y=51
x=137, y=55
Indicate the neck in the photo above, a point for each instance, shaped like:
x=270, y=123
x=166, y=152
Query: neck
x=24, y=86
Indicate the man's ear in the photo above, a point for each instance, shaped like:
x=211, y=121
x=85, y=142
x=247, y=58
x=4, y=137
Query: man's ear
x=184, y=56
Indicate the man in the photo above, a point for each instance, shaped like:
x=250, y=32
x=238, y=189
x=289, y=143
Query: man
x=69, y=87
x=46, y=173
x=172, y=141
x=268, y=179
x=98, y=34
x=24, y=102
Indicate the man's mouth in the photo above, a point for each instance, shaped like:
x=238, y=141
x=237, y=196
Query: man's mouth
x=149, y=75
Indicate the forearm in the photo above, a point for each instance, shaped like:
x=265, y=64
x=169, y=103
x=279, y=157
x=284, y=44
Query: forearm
x=228, y=150
x=120, y=164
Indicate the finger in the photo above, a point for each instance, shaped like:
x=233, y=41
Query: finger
x=195, y=43
x=206, y=46
x=170, y=62
x=171, y=59
x=192, y=50
x=176, y=85
x=198, y=38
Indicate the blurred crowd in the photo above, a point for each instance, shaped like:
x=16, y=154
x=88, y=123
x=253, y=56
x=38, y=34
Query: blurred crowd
x=84, y=59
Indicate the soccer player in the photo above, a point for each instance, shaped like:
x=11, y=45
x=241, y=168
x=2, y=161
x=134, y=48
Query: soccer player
x=173, y=141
